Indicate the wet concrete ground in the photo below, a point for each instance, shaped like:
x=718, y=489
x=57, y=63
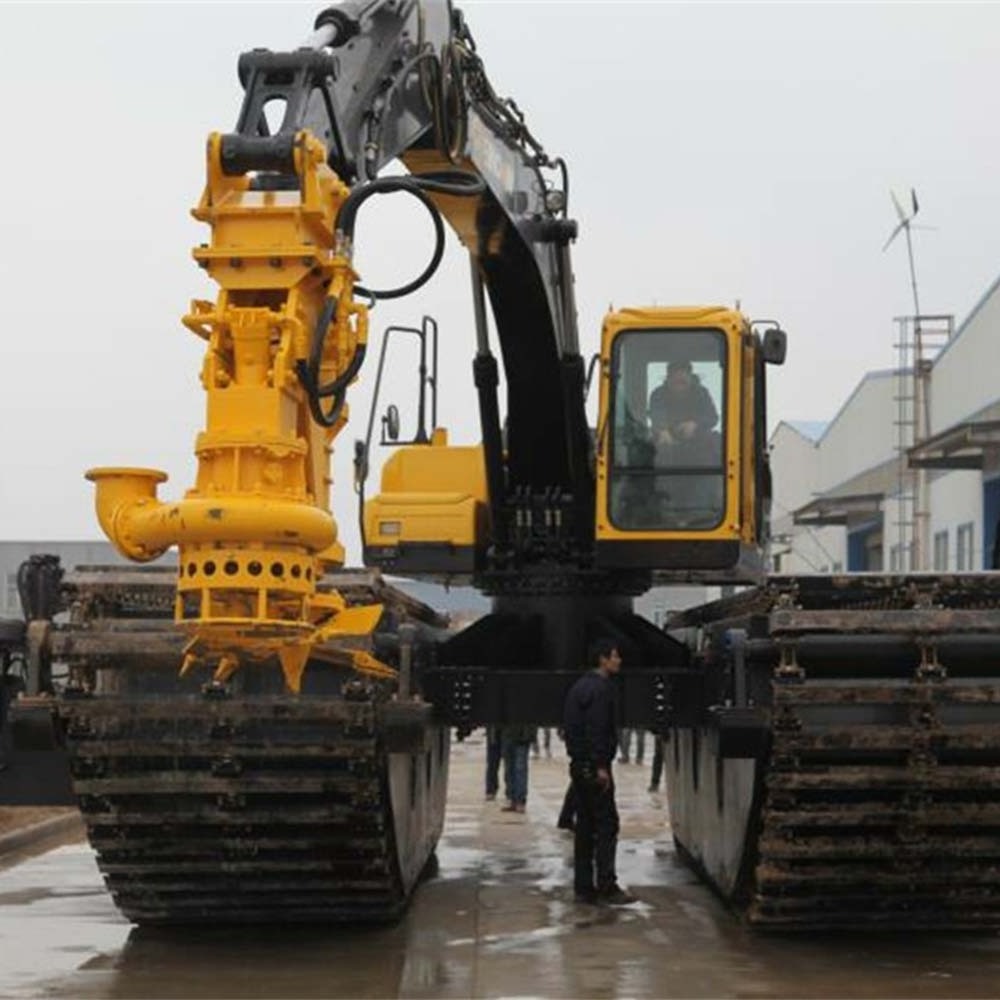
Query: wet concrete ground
x=498, y=920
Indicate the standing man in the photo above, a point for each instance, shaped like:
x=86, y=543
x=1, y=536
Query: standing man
x=592, y=741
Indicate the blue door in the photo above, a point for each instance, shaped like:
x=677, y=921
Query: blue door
x=860, y=551
x=991, y=520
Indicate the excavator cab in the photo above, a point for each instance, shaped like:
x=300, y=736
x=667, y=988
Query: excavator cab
x=682, y=486
x=682, y=477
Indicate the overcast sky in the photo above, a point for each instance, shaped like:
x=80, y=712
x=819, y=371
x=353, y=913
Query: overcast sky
x=717, y=153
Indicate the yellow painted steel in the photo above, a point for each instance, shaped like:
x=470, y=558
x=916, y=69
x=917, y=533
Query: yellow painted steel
x=430, y=493
x=738, y=522
x=256, y=531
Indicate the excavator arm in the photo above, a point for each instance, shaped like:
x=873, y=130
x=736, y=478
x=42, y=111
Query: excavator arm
x=287, y=333
x=381, y=81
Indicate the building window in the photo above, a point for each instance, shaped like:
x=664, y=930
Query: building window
x=963, y=546
x=941, y=551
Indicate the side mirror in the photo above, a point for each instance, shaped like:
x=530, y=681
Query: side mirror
x=390, y=423
x=774, y=346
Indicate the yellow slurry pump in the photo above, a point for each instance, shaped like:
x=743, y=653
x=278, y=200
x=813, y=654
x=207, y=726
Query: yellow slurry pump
x=285, y=332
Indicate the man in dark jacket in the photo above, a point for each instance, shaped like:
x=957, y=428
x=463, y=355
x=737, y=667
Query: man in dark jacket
x=682, y=416
x=681, y=409
x=592, y=742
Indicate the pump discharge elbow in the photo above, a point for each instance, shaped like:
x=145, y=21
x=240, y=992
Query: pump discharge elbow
x=124, y=496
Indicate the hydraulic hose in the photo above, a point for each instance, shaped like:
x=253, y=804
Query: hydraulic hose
x=436, y=256
x=455, y=182
x=308, y=371
x=452, y=183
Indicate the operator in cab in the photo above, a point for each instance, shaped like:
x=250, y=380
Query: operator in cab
x=682, y=419
x=682, y=415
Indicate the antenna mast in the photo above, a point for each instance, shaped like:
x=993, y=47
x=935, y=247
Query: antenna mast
x=919, y=339
x=904, y=224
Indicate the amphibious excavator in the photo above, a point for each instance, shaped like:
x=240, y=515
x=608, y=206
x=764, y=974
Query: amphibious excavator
x=257, y=734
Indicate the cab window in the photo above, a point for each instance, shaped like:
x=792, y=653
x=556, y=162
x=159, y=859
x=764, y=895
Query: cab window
x=667, y=435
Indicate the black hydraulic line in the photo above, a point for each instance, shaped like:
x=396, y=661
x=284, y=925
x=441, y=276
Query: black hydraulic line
x=451, y=109
x=435, y=261
x=479, y=309
x=329, y=417
x=567, y=299
x=421, y=435
x=309, y=371
x=430, y=324
x=340, y=384
x=486, y=377
x=578, y=447
x=595, y=360
x=323, y=321
x=373, y=123
x=453, y=183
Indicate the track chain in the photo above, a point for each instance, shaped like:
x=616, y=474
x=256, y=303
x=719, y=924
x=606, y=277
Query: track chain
x=882, y=806
x=261, y=809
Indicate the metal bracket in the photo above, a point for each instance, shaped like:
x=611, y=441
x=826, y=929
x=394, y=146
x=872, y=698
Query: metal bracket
x=788, y=670
x=930, y=668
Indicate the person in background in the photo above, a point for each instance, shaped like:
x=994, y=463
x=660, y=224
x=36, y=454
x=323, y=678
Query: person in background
x=656, y=772
x=546, y=742
x=515, y=746
x=625, y=742
x=492, y=762
x=592, y=741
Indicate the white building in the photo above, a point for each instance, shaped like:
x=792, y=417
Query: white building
x=906, y=476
